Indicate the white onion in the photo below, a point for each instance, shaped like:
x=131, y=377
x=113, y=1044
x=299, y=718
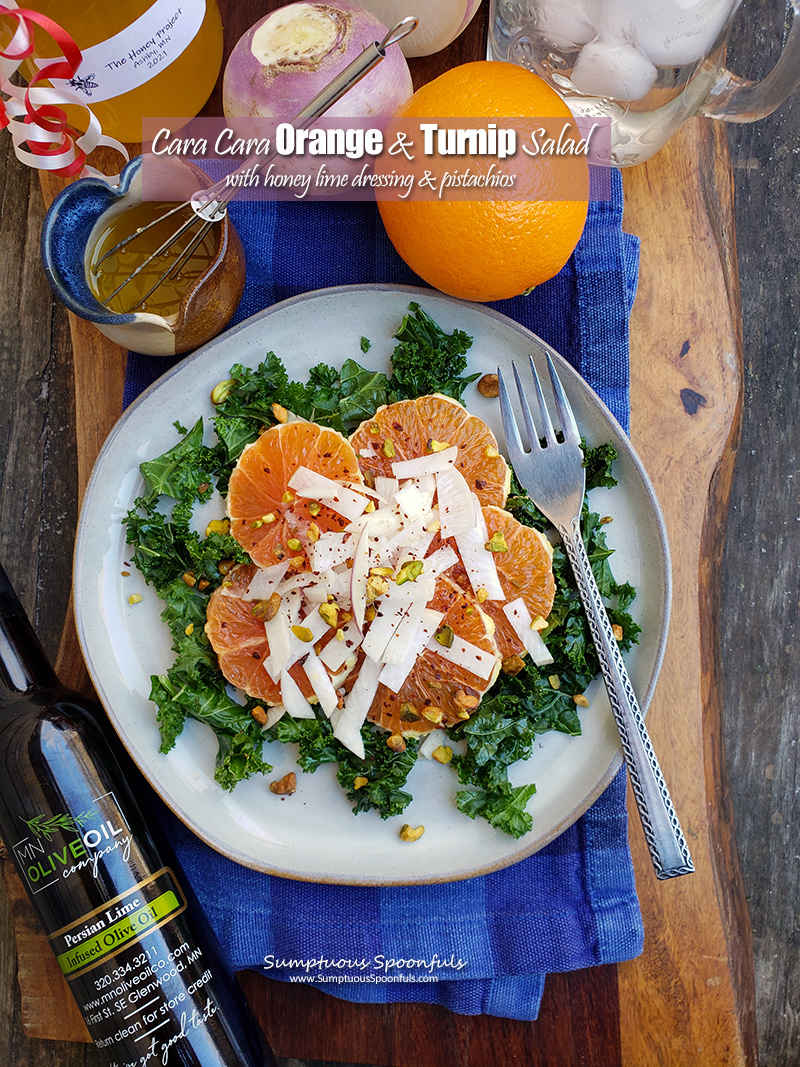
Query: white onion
x=440, y=21
x=287, y=57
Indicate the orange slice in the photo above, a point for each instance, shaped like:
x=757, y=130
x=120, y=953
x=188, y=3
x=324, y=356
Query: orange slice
x=412, y=428
x=267, y=519
x=525, y=570
x=238, y=637
x=439, y=692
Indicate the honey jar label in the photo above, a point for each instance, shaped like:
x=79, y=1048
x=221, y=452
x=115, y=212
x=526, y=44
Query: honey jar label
x=136, y=54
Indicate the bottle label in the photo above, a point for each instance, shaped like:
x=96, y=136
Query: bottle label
x=104, y=933
x=60, y=846
x=144, y=986
x=136, y=54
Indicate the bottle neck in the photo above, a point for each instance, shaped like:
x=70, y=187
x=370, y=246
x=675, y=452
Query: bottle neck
x=24, y=667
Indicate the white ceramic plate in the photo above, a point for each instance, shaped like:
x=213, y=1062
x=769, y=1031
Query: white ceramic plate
x=313, y=835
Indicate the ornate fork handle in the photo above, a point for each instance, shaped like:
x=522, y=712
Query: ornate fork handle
x=665, y=840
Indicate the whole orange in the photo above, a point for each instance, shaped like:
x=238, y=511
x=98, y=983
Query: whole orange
x=488, y=249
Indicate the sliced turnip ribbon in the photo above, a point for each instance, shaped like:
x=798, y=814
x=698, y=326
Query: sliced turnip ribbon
x=264, y=582
x=473, y=658
x=478, y=560
x=348, y=722
x=430, y=743
x=381, y=523
x=422, y=465
x=314, y=622
x=337, y=497
x=406, y=639
x=358, y=579
x=331, y=550
x=302, y=580
x=417, y=637
x=315, y=671
x=293, y=700
x=412, y=503
x=285, y=648
x=279, y=639
x=386, y=487
x=336, y=651
x=440, y=561
x=426, y=484
x=275, y=714
x=389, y=614
x=317, y=593
x=292, y=604
x=458, y=507
x=520, y=618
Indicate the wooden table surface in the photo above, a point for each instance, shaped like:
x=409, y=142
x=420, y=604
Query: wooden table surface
x=724, y=719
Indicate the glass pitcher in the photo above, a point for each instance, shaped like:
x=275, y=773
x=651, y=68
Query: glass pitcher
x=648, y=65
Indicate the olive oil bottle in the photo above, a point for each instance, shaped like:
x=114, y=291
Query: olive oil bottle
x=110, y=899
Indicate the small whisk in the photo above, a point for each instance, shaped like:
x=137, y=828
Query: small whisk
x=210, y=205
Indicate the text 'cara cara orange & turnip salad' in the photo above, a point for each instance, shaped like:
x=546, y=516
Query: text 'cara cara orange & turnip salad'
x=380, y=588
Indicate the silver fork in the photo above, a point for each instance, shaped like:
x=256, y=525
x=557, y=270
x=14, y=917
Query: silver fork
x=555, y=478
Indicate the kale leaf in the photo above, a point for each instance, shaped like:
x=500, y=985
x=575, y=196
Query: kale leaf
x=383, y=770
x=428, y=360
x=339, y=399
x=504, y=809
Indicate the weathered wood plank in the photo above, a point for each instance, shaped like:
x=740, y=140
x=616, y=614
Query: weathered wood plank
x=37, y=521
x=689, y=998
x=760, y=668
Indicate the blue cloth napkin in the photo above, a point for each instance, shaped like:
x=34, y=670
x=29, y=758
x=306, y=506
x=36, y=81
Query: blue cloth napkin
x=484, y=945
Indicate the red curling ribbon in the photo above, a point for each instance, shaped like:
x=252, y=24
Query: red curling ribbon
x=41, y=130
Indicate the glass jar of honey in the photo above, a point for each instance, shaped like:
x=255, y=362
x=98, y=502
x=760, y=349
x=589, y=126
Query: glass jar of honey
x=140, y=57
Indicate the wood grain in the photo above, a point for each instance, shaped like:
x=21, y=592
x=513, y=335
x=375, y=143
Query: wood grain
x=38, y=511
x=760, y=609
x=689, y=999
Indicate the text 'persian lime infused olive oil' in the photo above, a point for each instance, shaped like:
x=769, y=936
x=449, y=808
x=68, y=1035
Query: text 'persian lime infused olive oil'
x=149, y=984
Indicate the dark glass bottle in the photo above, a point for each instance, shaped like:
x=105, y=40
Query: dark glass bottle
x=108, y=897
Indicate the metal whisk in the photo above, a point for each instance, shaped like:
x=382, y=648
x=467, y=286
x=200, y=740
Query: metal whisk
x=209, y=206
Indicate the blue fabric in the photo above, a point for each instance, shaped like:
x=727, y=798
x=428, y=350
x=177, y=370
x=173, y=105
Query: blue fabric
x=489, y=941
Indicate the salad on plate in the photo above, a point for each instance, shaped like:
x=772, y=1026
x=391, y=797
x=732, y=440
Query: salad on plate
x=351, y=567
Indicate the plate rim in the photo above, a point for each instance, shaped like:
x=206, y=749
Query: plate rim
x=564, y=367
